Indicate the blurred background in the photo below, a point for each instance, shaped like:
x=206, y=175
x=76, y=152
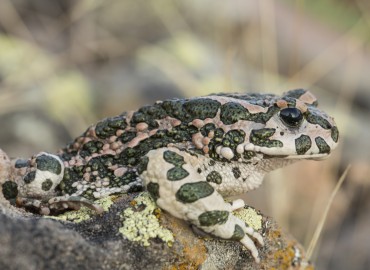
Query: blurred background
x=66, y=64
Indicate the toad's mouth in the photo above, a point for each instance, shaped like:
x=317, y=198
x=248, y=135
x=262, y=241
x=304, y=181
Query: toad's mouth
x=309, y=157
x=282, y=153
x=315, y=157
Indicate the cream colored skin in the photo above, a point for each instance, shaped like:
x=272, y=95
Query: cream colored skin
x=214, y=169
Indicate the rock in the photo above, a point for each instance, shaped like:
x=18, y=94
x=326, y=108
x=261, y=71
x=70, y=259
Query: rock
x=132, y=233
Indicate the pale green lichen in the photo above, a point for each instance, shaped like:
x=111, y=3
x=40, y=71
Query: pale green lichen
x=84, y=213
x=106, y=202
x=141, y=225
x=250, y=216
x=75, y=216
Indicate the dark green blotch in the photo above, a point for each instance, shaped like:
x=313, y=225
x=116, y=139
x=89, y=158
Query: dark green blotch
x=29, y=177
x=173, y=158
x=174, y=108
x=315, y=119
x=183, y=132
x=212, y=162
x=263, y=133
x=231, y=112
x=216, y=141
x=10, y=190
x=148, y=114
x=71, y=175
x=68, y=152
x=238, y=233
x=139, y=117
x=21, y=163
x=129, y=156
x=127, y=178
x=207, y=128
x=153, y=189
x=214, y=177
x=188, y=110
x=46, y=185
x=303, y=144
x=260, y=137
x=231, y=139
x=202, y=108
x=177, y=173
x=296, y=93
x=219, y=133
x=322, y=145
x=101, y=164
x=48, y=163
x=90, y=148
x=237, y=173
x=154, y=112
x=211, y=218
x=109, y=126
x=334, y=133
x=248, y=155
x=192, y=192
x=127, y=136
x=143, y=164
x=263, y=100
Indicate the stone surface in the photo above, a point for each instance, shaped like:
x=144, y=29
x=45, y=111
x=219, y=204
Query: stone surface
x=85, y=240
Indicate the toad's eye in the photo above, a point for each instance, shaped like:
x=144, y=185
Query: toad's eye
x=291, y=117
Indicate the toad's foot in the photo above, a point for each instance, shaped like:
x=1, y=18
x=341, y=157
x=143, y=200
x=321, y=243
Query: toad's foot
x=57, y=204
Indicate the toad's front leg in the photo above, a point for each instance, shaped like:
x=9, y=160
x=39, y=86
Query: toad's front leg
x=178, y=189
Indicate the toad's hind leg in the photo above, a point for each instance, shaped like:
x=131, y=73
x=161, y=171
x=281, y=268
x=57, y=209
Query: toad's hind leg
x=172, y=180
x=58, y=204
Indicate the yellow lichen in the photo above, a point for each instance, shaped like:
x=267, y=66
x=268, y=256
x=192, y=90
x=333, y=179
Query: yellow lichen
x=140, y=225
x=106, y=202
x=284, y=257
x=75, y=216
x=250, y=216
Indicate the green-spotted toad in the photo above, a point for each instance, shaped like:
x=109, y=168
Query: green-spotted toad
x=188, y=154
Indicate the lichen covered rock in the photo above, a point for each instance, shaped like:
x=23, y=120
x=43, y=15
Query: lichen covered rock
x=131, y=233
